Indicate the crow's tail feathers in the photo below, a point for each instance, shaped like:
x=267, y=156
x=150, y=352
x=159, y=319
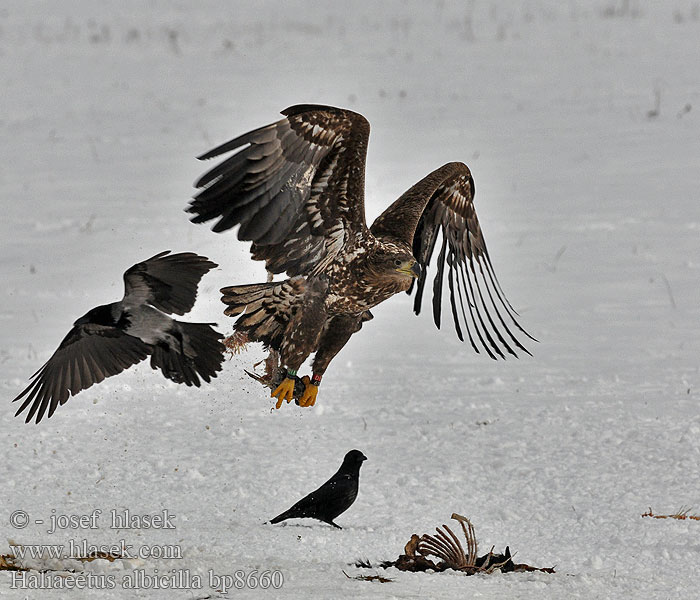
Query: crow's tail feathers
x=281, y=517
x=199, y=353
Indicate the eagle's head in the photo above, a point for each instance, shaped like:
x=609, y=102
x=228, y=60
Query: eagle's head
x=391, y=261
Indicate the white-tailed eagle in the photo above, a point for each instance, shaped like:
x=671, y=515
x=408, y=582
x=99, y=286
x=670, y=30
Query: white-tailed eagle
x=296, y=190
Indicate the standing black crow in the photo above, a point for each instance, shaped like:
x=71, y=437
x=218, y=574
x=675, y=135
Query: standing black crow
x=333, y=498
x=113, y=337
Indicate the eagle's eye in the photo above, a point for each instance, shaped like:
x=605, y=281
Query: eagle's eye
x=397, y=262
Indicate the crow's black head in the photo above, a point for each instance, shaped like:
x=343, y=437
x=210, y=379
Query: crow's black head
x=353, y=459
x=100, y=315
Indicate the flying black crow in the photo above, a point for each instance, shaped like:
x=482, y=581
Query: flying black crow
x=333, y=498
x=113, y=337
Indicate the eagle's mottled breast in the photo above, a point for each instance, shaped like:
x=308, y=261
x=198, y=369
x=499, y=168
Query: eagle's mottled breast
x=356, y=284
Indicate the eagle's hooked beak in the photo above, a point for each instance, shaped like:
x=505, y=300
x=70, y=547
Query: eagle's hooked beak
x=410, y=268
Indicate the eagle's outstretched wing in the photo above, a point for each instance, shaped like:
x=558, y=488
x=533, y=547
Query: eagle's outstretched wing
x=167, y=281
x=442, y=202
x=87, y=355
x=296, y=188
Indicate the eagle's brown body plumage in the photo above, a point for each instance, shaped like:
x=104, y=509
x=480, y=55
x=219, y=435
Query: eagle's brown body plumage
x=296, y=189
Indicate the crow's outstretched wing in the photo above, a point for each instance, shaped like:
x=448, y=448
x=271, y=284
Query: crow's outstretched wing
x=443, y=203
x=87, y=355
x=295, y=187
x=166, y=281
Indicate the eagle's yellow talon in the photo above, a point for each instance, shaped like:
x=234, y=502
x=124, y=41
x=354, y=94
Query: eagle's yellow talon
x=308, y=398
x=284, y=391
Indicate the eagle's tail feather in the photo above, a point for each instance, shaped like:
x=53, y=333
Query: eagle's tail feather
x=267, y=308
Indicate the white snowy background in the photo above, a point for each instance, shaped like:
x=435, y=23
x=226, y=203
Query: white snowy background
x=581, y=124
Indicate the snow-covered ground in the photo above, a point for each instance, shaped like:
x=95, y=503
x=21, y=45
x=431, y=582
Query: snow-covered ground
x=581, y=124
